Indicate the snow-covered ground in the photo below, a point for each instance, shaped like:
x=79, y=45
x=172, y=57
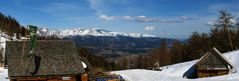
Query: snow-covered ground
x=3, y=74
x=176, y=71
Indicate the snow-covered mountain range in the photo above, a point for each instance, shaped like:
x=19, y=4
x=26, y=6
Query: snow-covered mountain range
x=83, y=32
x=100, y=41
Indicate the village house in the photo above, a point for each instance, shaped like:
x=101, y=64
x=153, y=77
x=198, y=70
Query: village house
x=53, y=60
x=213, y=63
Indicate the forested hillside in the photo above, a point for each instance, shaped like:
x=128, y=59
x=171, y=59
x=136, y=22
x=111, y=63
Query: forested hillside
x=11, y=26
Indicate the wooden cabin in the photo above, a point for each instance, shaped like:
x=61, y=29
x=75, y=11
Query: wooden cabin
x=53, y=60
x=213, y=63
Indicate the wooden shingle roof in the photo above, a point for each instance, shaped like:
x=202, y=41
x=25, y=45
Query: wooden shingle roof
x=53, y=57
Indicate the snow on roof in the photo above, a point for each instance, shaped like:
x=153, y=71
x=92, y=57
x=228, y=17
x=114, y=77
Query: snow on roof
x=84, y=65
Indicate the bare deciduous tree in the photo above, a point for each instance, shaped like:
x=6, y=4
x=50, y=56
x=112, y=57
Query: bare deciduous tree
x=225, y=22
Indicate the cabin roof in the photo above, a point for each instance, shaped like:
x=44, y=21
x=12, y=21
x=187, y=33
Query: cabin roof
x=52, y=57
x=214, y=59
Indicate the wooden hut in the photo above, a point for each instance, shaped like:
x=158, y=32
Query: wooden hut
x=53, y=60
x=213, y=63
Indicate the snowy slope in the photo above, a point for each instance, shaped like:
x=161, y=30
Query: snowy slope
x=3, y=39
x=176, y=71
x=82, y=32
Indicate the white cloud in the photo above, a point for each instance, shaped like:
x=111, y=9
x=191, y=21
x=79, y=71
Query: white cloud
x=149, y=28
x=170, y=21
x=184, y=18
x=107, y=18
x=144, y=19
x=217, y=22
x=128, y=18
x=158, y=20
x=212, y=23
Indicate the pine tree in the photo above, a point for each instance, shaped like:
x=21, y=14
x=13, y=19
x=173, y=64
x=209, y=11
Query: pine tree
x=177, y=51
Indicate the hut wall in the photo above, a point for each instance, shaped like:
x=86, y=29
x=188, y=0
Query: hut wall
x=210, y=73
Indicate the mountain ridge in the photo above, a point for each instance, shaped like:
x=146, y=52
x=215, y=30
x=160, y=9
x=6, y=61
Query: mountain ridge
x=83, y=32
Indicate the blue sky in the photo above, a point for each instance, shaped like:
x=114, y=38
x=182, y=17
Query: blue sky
x=163, y=18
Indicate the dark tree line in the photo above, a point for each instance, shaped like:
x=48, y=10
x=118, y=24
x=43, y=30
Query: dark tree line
x=11, y=26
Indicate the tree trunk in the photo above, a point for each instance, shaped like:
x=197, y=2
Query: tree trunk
x=229, y=37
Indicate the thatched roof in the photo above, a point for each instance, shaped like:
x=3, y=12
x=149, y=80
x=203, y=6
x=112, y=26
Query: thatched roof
x=54, y=57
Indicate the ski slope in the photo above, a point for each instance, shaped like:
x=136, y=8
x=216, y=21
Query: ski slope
x=176, y=71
